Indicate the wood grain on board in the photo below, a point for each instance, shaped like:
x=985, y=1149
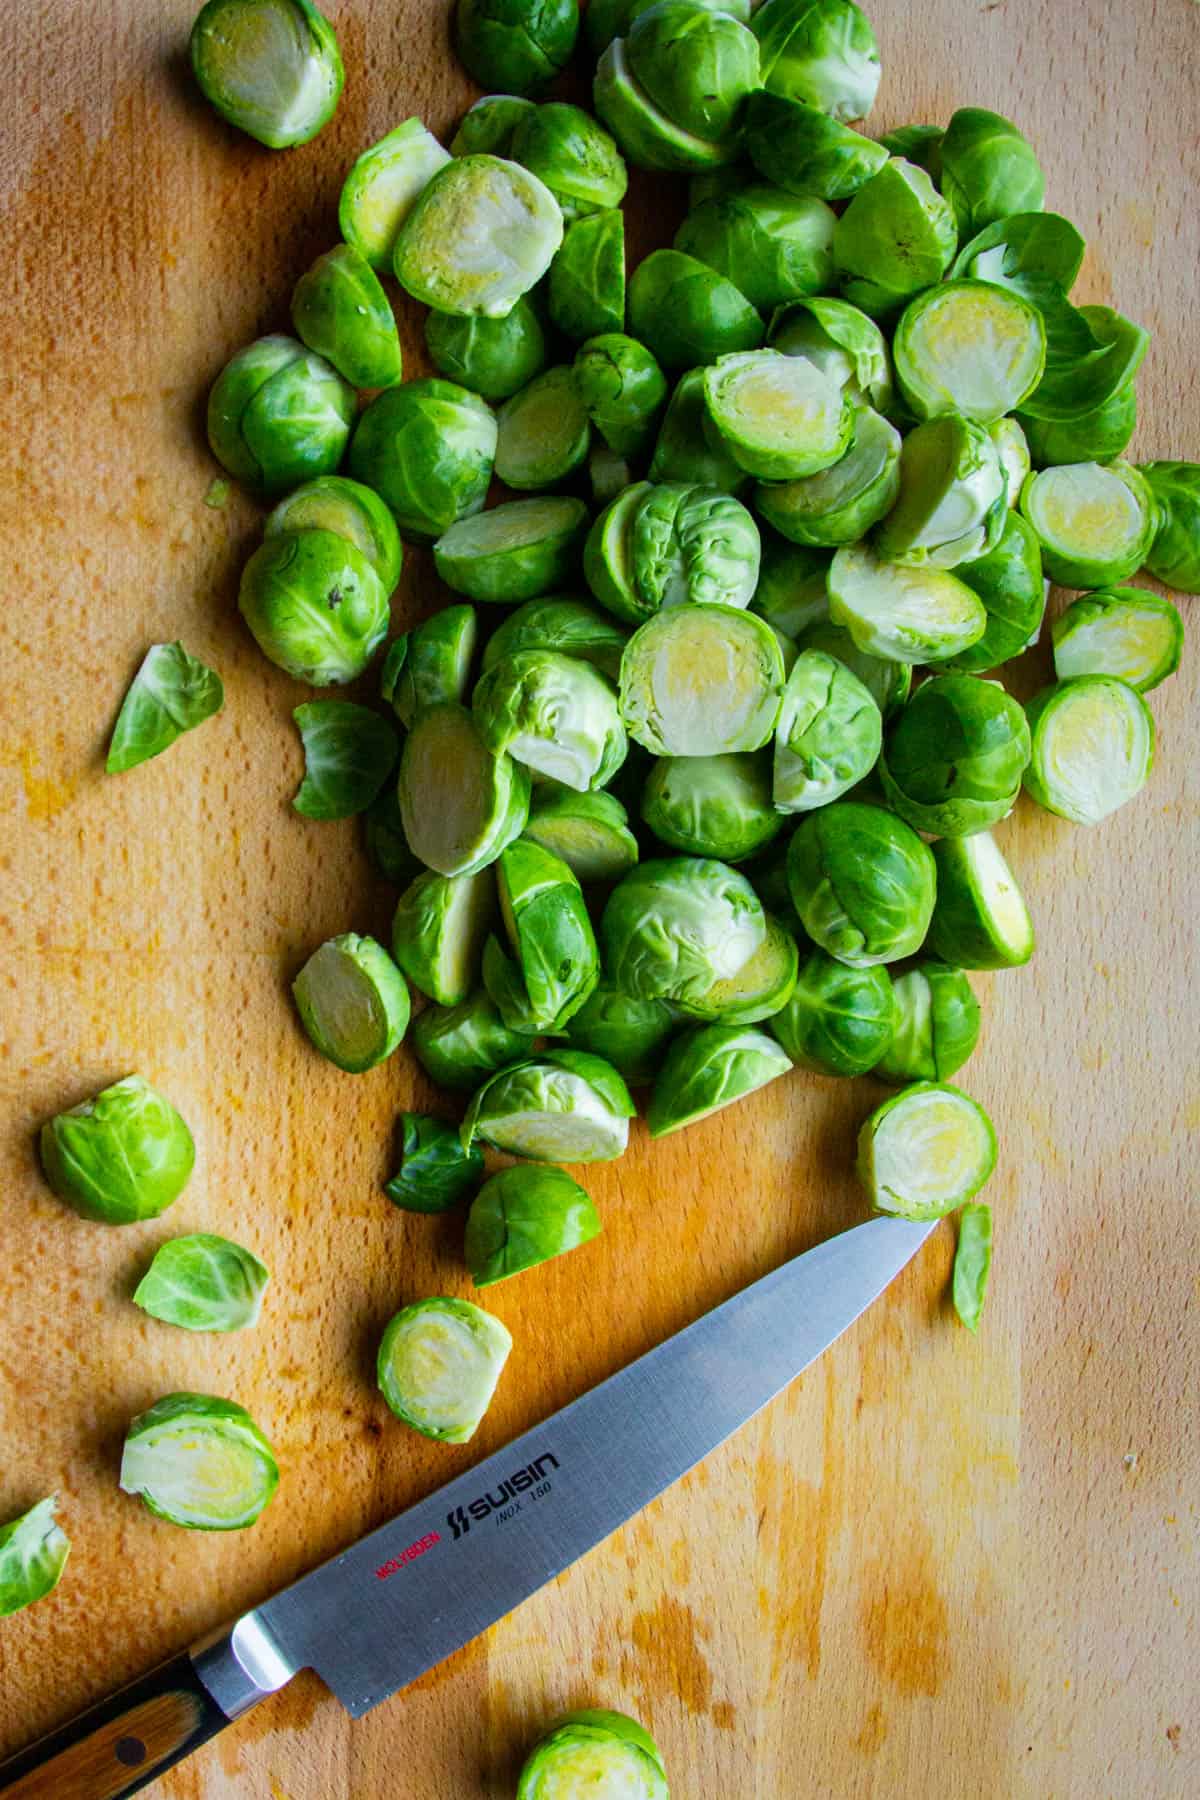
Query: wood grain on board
x=938, y=1564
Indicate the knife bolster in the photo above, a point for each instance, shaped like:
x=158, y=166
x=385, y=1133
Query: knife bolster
x=240, y=1664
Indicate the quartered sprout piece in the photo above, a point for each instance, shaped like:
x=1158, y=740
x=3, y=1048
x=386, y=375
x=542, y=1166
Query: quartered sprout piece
x=969, y=347
x=315, y=605
x=841, y=502
x=862, y=883
x=349, y=752
x=427, y=448
x=762, y=985
x=517, y=551
x=352, y=1002
x=1124, y=631
x=1174, y=556
x=492, y=357
x=828, y=735
x=481, y=234
x=559, y=1106
x=382, y=188
x=936, y=1025
x=435, y=1172
x=438, y=932
x=199, y=1461
x=340, y=310
x=458, y=1046
x=171, y=693
x=594, y=1754
x=837, y=1020
x=554, y=714
x=559, y=622
x=803, y=149
x=33, y=1554
x=709, y=1068
x=955, y=756
x=590, y=832
x=953, y=500
x=279, y=414
x=711, y=805
x=1095, y=521
x=895, y=238
x=438, y=1365
x=459, y=803
x=925, y=1151
x=124, y=1156
x=437, y=662
x=980, y=920
x=525, y=1216
x=544, y=431
x=701, y=681
x=673, y=927
x=1093, y=747
x=630, y=1034
x=203, y=1283
x=901, y=613
x=551, y=938
x=270, y=67
x=349, y=510
x=777, y=415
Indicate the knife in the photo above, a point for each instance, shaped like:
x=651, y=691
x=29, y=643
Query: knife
x=374, y=1618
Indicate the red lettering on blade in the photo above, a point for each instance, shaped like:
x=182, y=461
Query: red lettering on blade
x=406, y=1556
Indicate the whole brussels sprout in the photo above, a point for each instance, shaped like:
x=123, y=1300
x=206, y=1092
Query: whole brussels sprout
x=492, y=357
x=937, y=1025
x=895, y=238
x=822, y=52
x=1096, y=522
x=573, y=155
x=340, y=311
x=558, y=1106
x=315, y=605
x=709, y=1068
x=839, y=1020
x=515, y=45
x=585, y=291
x=553, y=713
x=123, y=1156
x=622, y=389
x=685, y=451
x=955, y=756
x=277, y=415
x=551, y=937
x=926, y=1151
x=480, y=235
x=953, y=502
x=969, y=347
x=522, y=1217
x=842, y=342
x=862, y=882
x=988, y=170
x=1093, y=747
x=382, y=188
x=1123, y=631
x=270, y=67
x=438, y=1366
x=1008, y=581
x=559, y=622
x=805, y=151
x=672, y=927
x=711, y=805
x=600, y=1752
x=427, y=448
x=828, y=735
x=701, y=681
x=488, y=127
x=1174, y=556
x=841, y=502
x=686, y=313
x=351, y=511
x=774, y=246
x=459, y=1046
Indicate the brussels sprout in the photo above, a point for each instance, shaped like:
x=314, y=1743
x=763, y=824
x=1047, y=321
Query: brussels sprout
x=709, y=1068
x=270, y=67
x=838, y=1020
x=200, y=1462
x=972, y=1261
x=841, y=502
x=551, y=936
x=925, y=1151
x=458, y=1046
x=590, y=832
x=493, y=357
x=525, y=1216
x=862, y=882
x=659, y=546
x=351, y=511
x=586, y=286
x=517, y=45
x=559, y=622
x=314, y=605
x=828, y=735
x=622, y=389
x=606, y=19
x=1093, y=747
x=608, y=473
x=762, y=985
x=479, y=236
x=821, y=52
x=438, y=932
x=1126, y=632
x=1092, y=355
x=575, y=157
x=1095, y=436
x=953, y=502
x=701, y=680
x=695, y=65
x=684, y=451
x=124, y=1156
x=1008, y=580
x=439, y=1363
x=773, y=245
x=920, y=144
x=488, y=127
x=353, y=1001
x=988, y=170
x=1095, y=521
x=791, y=594
x=382, y=188
x=630, y=1034
x=954, y=758
x=912, y=615
x=895, y=238
x=805, y=151
x=460, y=805
x=426, y=448
x=649, y=137
x=544, y=431
x=969, y=347
x=1174, y=557
x=841, y=342
x=436, y=1174
x=594, y=1752
x=777, y=415
x=171, y=693
x=516, y=551
x=673, y=927
x=888, y=682
x=349, y=752
x=936, y=1025
x=33, y=1554
x=711, y=805
x=1042, y=249
x=688, y=314
x=558, y=1106
x=277, y=414
x=438, y=662
x=339, y=309
x=553, y=713
x=980, y=920
x=384, y=839
x=1012, y=447
x=203, y=1283
x=726, y=178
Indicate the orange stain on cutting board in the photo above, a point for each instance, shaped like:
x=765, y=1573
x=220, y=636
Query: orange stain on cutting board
x=45, y=795
x=797, y=1521
x=873, y=1731
x=903, y=1619
x=666, y=1639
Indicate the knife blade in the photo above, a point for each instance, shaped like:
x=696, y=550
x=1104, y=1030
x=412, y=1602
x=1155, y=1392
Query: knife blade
x=375, y=1617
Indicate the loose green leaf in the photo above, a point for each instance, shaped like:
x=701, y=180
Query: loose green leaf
x=972, y=1261
x=435, y=1172
x=171, y=693
x=33, y=1554
x=349, y=752
x=204, y=1283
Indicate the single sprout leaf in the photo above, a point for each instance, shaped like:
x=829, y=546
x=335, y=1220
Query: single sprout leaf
x=171, y=693
x=204, y=1283
x=33, y=1554
x=216, y=495
x=972, y=1262
x=349, y=752
x=435, y=1173
x=439, y=1363
x=200, y=1462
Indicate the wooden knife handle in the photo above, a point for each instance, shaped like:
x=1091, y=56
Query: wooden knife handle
x=122, y=1743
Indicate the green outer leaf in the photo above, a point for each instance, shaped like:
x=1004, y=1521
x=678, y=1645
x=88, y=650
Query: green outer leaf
x=190, y=1416
x=1034, y=246
x=204, y=1283
x=1174, y=557
x=524, y=1216
x=171, y=693
x=349, y=752
x=972, y=1262
x=33, y=1555
x=436, y=1174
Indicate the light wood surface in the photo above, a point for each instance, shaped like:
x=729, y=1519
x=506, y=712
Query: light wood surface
x=938, y=1565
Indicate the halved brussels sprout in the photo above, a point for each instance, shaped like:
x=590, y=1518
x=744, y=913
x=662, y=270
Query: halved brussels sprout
x=709, y=1068
x=954, y=758
x=203, y=1283
x=777, y=415
x=351, y=511
x=688, y=314
x=352, y=1002
x=551, y=936
x=700, y=681
x=685, y=452
x=1093, y=747
x=903, y=614
x=590, y=832
x=657, y=546
x=673, y=89
x=622, y=389
x=171, y=694
x=1095, y=521
x=936, y=1025
x=840, y=341
x=773, y=245
x=479, y=236
x=349, y=752
x=1123, y=631
x=315, y=606
x=895, y=238
x=460, y=804
x=278, y=414
x=553, y=713
x=382, y=188
x=558, y=1106
x=804, y=150
x=762, y=985
x=573, y=155
x=972, y=1261
x=270, y=67
x=841, y=502
x=988, y=170
x=980, y=920
x=647, y=135
x=1012, y=447
x=862, y=882
x=674, y=926
x=438, y=932
x=586, y=286
x=838, y=1020
x=920, y=144
x=594, y=1753
x=1174, y=557
x=458, y=1046
x=559, y=622
x=828, y=735
x=925, y=1151
x=525, y=1216
x=888, y=682
x=493, y=357
x=122, y=1157
x=544, y=431
x=200, y=1462
x=630, y=1034
x=969, y=347
x=487, y=127
x=608, y=555
x=1008, y=580
x=822, y=52
x=1095, y=436
x=517, y=45
x=791, y=594
x=438, y=1365
x=427, y=448
x=711, y=805
x=33, y=1554
x=953, y=502
x=516, y=551
x=339, y=309
x=437, y=663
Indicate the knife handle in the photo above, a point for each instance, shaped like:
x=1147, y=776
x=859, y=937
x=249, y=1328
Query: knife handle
x=120, y=1744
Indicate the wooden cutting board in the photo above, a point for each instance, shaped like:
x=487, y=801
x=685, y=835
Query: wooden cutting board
x=937, y=1565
